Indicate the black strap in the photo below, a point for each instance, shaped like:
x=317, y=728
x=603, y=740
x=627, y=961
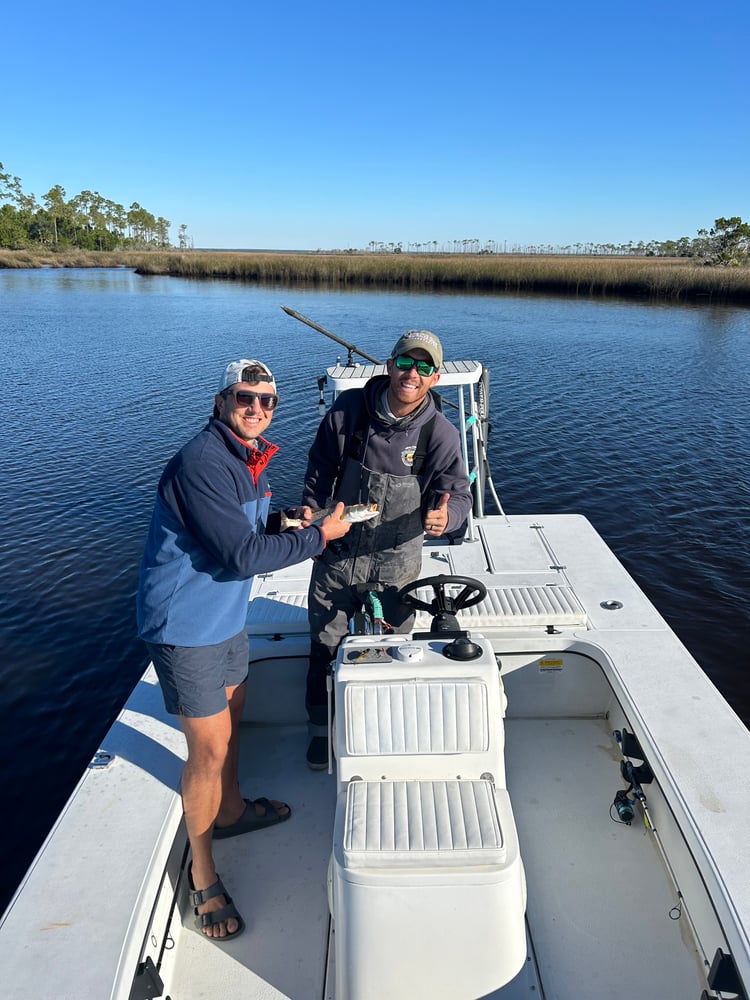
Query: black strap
x=423, y=443
x=357, y=439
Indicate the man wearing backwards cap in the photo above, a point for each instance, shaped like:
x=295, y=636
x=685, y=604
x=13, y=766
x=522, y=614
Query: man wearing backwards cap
x=385, y=443
x=210, y=533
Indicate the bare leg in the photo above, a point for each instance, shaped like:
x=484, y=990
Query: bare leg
x=211, y=792
x=232, y=803
x=208, y=744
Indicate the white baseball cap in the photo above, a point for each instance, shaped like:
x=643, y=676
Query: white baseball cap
x=235, y=371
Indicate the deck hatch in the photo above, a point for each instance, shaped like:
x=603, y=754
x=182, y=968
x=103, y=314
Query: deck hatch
x=524, y=605
x=285, y=610
x=279, y=611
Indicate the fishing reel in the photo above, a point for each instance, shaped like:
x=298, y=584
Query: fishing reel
x=635, y=775
x=624, y=806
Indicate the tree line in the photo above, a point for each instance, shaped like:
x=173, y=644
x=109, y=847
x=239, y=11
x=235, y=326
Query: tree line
x=726, y=243
x=87, y=221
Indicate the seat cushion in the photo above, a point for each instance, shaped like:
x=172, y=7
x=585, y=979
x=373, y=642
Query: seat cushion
x=424, y=824
x=416, y=717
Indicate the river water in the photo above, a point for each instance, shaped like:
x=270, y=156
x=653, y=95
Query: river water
x=634, y=415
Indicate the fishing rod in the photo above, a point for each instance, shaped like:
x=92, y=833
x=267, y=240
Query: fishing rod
x=482, y=424
x=351, y=348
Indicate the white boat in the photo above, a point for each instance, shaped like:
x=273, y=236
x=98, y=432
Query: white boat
x=538, y=794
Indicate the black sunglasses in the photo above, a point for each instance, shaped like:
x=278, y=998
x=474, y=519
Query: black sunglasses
x=405, y=364
x=242, y=397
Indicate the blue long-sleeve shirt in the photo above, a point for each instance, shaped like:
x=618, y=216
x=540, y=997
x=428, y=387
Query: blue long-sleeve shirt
x=207, y=540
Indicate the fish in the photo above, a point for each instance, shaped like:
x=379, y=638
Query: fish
x=355, y=513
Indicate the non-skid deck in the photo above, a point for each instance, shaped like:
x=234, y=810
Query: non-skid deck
x=589, y=880
x=277, y=878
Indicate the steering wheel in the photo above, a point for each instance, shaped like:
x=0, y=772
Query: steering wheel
x=473, y=592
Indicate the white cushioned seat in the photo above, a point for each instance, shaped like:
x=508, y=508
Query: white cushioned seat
x=394, y=824
x=424, y=716
x=427, y=885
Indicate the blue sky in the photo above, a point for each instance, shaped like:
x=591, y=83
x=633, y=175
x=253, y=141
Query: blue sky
x=331, y=125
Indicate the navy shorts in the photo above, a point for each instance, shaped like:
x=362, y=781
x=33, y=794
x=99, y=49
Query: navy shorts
x=194, y=678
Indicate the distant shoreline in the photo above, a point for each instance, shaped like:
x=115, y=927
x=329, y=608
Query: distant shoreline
x=660, y=279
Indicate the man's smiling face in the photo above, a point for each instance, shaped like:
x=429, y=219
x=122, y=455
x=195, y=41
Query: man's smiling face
x=409, y=388
x=248, y=420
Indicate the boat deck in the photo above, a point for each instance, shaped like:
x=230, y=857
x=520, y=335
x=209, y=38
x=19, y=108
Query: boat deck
x=584, y=932
x=586, y=938
x=277, y=878
x=602, y=911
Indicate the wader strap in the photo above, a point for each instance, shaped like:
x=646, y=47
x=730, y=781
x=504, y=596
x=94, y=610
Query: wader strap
x=423, y=443
x=356, y=442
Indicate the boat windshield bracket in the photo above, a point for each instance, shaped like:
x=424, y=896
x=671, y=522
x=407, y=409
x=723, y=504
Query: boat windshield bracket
x=723, y=976
x=147, y=984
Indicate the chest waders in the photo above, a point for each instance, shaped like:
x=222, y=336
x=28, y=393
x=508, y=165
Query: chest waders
x=381, y=555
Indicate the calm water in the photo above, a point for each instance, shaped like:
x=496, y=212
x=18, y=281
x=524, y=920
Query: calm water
x=634, y=415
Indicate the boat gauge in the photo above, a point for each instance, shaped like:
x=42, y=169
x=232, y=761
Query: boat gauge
x=409, y=652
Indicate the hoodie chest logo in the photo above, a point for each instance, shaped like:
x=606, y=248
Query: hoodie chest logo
x=407, y=455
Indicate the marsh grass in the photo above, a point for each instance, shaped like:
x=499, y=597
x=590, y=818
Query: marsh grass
x=64, y=258
x=645, y=278
x=654, y=278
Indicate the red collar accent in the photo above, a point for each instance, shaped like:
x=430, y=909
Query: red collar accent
x=258, y=458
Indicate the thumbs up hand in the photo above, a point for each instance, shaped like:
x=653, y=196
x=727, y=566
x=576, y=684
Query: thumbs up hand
x=436, y=520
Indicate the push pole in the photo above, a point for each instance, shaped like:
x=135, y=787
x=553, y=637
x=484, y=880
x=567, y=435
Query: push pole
x=351, y=348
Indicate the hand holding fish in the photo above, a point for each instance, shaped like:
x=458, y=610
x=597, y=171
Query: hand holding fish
x=335, y=525
x=436, y=521
x=303, y=517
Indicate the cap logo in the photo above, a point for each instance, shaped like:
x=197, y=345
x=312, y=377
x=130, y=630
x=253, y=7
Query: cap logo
x=423, y=338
